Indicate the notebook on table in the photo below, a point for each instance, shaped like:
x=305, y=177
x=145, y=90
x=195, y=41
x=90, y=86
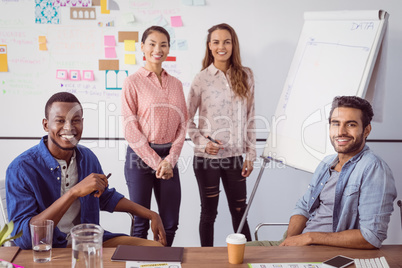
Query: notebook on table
x=141, y=253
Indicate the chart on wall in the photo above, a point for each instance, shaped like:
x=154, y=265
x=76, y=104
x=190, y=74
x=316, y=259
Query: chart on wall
x=86, y=47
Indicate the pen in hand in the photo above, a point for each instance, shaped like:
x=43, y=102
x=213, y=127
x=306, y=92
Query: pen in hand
x=107, y=177
x=211, y=139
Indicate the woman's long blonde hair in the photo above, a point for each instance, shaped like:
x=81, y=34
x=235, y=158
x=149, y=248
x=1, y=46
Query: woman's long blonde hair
x=238, y=75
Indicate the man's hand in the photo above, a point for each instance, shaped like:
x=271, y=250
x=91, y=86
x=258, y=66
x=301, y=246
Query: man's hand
x=158, y=229
x=247, y=168
x=297, y=240
x=92, y=183
x=164, y=170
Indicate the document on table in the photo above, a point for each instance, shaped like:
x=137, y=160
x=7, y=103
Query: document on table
x=286, y=265
x=148, y=264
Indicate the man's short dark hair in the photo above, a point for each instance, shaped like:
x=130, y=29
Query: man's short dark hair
x=354, y=102
x=60, y=97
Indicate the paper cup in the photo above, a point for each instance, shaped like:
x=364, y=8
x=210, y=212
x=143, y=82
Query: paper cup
x=236, y=244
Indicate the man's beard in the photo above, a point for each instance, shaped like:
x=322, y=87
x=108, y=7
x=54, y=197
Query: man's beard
x=61, y=147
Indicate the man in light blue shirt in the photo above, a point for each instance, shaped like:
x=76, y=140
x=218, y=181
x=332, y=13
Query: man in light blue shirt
x=350, y=198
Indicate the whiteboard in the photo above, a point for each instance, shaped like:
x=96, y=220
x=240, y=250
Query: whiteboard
x=335, y=55
x=73, y=44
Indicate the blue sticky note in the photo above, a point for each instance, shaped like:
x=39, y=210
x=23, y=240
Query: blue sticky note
x=199, y=2
x=182, y=45
x=187, y=2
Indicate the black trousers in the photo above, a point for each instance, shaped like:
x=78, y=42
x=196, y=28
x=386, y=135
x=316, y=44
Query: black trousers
x=209, y=172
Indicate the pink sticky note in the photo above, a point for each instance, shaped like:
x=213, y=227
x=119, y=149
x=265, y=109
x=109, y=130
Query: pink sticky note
x=110, y=41
x=61, y=74
x=110, y=52
x=75, y=75
x=88, y=75
x=176, y=21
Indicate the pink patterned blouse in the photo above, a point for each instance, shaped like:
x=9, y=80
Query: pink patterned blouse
x=154, y=113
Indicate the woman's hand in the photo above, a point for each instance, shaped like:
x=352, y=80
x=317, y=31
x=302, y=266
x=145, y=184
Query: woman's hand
x=213, y=148
x=164, y=170
x=247, y=168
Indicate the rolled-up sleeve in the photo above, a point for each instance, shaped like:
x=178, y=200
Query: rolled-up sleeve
x=375, y=207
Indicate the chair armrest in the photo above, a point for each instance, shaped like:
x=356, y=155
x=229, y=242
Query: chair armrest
x=132, y=223
x=266, y=224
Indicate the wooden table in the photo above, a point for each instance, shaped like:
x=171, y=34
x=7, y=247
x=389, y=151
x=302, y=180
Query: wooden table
x=8, y=253
x=216, y=257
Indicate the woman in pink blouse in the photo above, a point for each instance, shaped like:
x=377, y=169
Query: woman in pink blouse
x=223, y=94
x=155, y=114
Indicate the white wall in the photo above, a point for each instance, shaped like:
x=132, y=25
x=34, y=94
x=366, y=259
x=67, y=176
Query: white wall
x=268, y=32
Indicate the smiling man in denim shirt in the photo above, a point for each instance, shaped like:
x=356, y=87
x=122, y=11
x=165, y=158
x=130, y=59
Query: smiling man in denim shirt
x=350, y=198
x=64, y=182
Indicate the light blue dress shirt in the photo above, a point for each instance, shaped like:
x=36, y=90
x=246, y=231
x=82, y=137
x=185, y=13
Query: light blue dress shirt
x=364, y=195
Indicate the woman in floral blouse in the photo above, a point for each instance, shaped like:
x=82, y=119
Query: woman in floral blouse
x=223, y=93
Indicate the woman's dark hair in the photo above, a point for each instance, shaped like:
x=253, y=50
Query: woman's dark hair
x=155, y=29
x=354, y=102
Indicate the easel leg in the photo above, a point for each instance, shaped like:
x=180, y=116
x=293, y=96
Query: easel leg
x=243, y=220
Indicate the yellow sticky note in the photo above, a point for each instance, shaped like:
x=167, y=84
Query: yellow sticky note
x=42, y=47
x=129, y=58
x=42, y=39
x=3, y=58
x=129, y=45
x=104, y=9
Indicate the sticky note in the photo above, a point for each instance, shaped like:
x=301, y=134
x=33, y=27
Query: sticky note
x=182, y=44
x=128, y=36
x=108, y=65
x=42, y=47
x=3, y=58
x=187, y=2
x=61, y=74
x=127, y=18
x=199, y=2
x=88, y=75
x=75, y=75
x=42, y=39
x=104, y=9
x=160, y=21
x=109, y=41
x=110, y=52
x=129, y=45
x=176, y=21
x=129, y=58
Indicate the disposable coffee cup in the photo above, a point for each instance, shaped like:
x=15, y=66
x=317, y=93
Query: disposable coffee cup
x=236, y=244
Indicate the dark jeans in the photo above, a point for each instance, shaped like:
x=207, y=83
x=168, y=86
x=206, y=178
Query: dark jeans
x=208, y=173
x=141, y=180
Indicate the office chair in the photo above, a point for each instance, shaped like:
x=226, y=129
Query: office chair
x=3, y=208
x=257, y=228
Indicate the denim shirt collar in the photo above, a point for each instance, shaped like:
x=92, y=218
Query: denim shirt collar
x=51, y=162
x=352, y=160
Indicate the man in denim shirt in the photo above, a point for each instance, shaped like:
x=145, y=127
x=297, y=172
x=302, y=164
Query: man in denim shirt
x=350, y=198
x=64, y=182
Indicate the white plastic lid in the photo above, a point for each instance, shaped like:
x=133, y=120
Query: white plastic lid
x=236, y=239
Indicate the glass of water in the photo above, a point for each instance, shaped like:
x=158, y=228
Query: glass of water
x=87, y=246
x=42, y=237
